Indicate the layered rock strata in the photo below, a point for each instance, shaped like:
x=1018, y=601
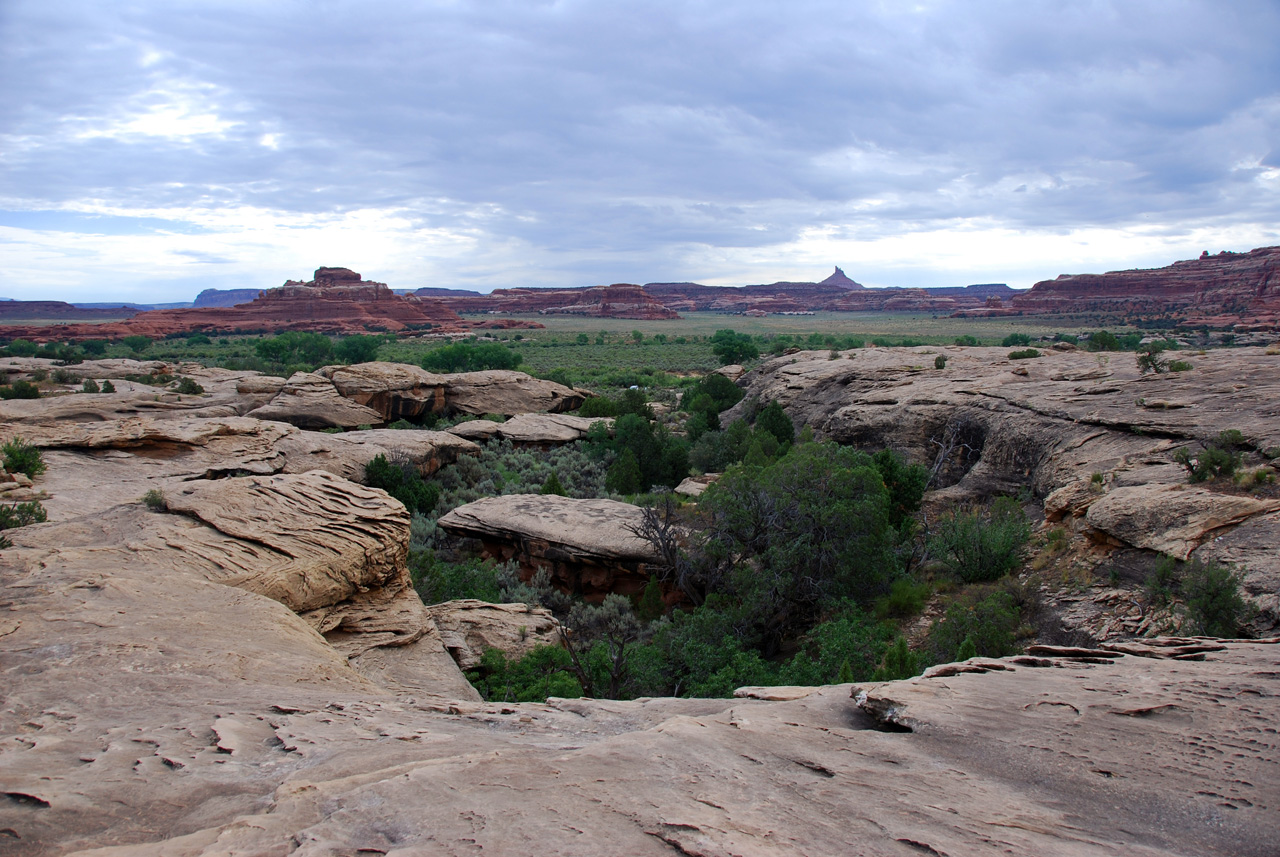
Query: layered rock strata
x=589, y=547
x=1226, y=289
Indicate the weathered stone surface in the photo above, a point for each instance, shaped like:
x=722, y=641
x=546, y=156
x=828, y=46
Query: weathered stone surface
x=468, y=628
x=93, y=466
x=1070, y=758
x=499, y=391
x=1171, y=519
x=588, y=546
x=531, y=429
x=395, y=390
x=1219, y=290
x=309, y=400
x=693, y=486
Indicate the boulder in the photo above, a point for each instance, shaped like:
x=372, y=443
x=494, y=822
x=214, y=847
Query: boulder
x=468, y=628
x=1172, y=519
x=589, y=547
x=500, y=391
x=311, y=401
x=693, y=486
x=394, y=390
x=542, y=430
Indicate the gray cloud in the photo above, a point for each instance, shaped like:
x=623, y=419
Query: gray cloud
x=601, y=138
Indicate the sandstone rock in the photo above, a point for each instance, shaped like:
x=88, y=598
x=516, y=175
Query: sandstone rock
x=588, y=546
x=733, y=371
x=1222, y=289
x=468, y=628
x=531, y=429
x=311, y=401
x=1069, y=758
x=94, y=466
x=394, y=390
x=1171, y=519
x=337, y=300
x=693, y=486
x=499, y=391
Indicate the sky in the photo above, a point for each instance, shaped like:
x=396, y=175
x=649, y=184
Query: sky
x=149, y=150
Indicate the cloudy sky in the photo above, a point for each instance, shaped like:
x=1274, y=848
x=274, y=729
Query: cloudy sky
x=152, y=149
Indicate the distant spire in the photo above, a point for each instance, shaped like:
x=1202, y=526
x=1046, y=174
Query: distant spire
x=839, y=279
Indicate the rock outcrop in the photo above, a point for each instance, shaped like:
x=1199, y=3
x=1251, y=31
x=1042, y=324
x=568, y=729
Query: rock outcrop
x=1227, y=289
x=589, y=547
x=468, y=628
x=505, y=392
x=620, y=300
x=336, y=300
x=1095, y=440
x=540, y=430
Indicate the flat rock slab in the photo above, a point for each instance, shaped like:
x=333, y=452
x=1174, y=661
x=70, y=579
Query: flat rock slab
x=1130, y=756
x=500, y=391
x=311, y=401
x=532, y=429
x=581, y=528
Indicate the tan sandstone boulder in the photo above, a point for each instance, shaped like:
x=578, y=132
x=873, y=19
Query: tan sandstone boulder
x=532, y=429
x=311, y=401
x=468, y=628
x=500, y=391
x=588, y=546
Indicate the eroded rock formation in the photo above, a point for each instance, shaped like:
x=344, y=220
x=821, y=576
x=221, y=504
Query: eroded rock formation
x=336, y=300
x=1090, y=436
x=1226, y=289
x=589, y=547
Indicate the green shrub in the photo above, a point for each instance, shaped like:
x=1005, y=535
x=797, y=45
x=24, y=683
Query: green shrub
x=1212, y=595
x=1218, y=459
x=544, y=672
x=1024, y=354
x=940, y=362
x=598, y=406
x=466, y=357
x=14, y=515
x=294, y=347
x=437, y=581
x=906, y=598
x=89, y=386
x=22, y=457
x=553, y=486
x=402, y=481
x=20, y=390
x=23, y=348
x=1015, y=339
x=155, y=501
x=63, y=376
x=1150, y=358
x=94, y=347
x=137, y=343
x=731, y=347
x=989, y=622
x=359, y=348
x=189, y=386
x=982, y=545
x=967, y=341
x=193, y=339
x=108, y=387
x=1179, y=366
x=775, y=421
x=899, y=663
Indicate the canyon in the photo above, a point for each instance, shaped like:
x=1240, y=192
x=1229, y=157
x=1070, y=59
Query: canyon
x=240, y=665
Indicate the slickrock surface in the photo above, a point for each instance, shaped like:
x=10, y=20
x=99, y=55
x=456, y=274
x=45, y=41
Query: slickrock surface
x=94, y=466
x=994, y=426
x=1050, y=754
x=588, y=546
x=394, y=390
